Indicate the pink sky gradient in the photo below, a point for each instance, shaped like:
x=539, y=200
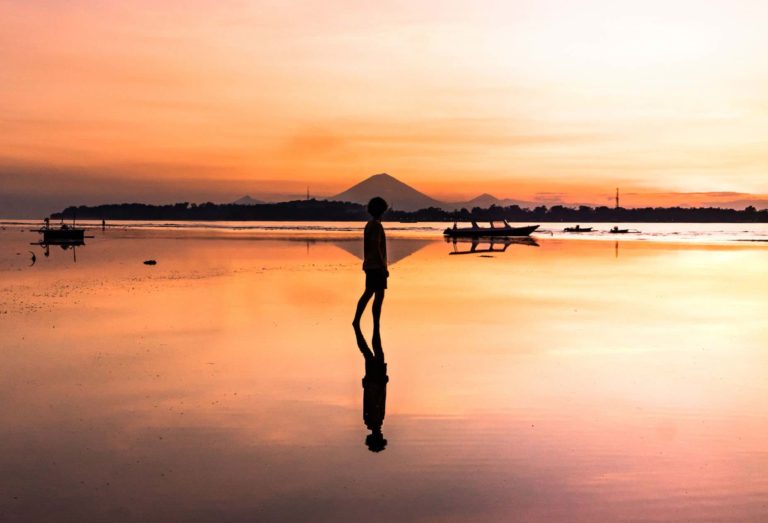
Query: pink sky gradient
x=188, y=99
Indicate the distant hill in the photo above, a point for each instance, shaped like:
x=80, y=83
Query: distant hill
x=400, y=196
x=486, y=200
x=403, y=197
x=247, y=200
x=323, y=210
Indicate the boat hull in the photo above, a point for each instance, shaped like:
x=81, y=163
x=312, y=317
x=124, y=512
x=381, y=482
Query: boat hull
x=481, y=232
x=63, y=235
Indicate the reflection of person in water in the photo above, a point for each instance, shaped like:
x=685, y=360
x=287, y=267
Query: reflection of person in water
x=374, y=391
x=375, y=267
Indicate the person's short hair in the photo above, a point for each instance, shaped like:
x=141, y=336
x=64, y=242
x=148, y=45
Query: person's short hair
x=375, y=442
x=377, y=206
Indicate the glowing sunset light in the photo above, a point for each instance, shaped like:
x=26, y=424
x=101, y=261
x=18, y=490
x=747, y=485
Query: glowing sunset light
x=212, y=100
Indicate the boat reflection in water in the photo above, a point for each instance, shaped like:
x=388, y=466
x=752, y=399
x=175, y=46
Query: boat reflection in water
x=65, y=236
x=493, y=244
x=65, y=245
x=374, y=391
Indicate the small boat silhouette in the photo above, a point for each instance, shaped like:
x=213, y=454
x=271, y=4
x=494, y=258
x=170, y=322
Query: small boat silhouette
x=63, y=233
x=578, y=228
x=616, y=230
x=497, y=228
x=65, y=236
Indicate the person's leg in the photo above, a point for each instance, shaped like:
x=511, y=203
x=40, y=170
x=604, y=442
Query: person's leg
x=378, y=300
x=362, y=344
x=361, y=304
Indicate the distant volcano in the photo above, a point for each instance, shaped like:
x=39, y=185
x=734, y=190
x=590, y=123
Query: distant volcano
x=403, y=197
x=247, y=200
x=399, y=195
x=486, y=200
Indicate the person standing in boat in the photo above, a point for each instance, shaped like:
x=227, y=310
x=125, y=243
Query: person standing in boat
x=375, y=267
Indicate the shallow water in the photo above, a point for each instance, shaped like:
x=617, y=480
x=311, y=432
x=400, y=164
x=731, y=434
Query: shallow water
x=573, y=380
x=671, y=232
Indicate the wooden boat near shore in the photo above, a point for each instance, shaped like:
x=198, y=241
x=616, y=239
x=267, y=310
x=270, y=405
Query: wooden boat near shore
x=63, y=234
x=496, y=228
x=616, y=230
x=578, y=228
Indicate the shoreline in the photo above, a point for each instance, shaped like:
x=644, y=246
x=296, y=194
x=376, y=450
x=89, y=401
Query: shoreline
x=686, y=233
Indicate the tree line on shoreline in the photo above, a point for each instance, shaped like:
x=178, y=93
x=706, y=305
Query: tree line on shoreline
x=324, y=210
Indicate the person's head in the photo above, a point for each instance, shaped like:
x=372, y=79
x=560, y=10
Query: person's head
x=377, y=206
x=375, y=442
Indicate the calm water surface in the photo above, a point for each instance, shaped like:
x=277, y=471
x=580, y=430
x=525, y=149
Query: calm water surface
x=566, y=381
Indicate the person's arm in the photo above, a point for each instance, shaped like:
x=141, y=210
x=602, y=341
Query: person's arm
x=383, y=247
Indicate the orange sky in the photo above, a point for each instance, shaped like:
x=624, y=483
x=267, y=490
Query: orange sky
x=184, y=100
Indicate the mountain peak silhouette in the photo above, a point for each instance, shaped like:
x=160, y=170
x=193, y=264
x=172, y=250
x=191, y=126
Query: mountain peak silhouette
x=382, y=176
x=399, y=195
x=247, y=200
x=403, y=197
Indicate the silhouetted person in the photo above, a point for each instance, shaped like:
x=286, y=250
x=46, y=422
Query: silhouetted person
x=374, y=392
x=375, y=267
x=103, y=225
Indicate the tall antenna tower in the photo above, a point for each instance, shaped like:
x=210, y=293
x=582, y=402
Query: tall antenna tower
x=617, y=197
x=307, y=192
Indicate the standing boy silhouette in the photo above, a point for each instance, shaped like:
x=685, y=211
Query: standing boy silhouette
x=375, y=267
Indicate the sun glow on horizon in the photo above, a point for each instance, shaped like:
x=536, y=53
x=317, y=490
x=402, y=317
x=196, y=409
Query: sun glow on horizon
x=515, y=99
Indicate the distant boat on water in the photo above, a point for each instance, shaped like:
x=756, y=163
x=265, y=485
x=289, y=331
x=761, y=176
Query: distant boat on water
x=578, y=228
x=65, y=236
x=496, y=228
x=61, y=234
x=616, y=230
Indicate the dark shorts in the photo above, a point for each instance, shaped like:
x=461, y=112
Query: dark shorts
x=376, y=279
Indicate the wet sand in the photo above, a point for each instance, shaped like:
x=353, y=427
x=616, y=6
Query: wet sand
x=574, y=380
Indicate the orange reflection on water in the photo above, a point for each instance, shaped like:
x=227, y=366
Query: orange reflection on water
x=560, y=381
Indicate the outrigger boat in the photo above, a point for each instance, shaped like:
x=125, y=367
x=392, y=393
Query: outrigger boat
x=63, y=234
x=616, y=230
x=578, y=228
x=497, y=228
